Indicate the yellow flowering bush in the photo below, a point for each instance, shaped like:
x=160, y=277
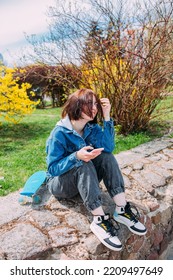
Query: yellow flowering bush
x=115, y=78
x=109, y=77
x=14, y=101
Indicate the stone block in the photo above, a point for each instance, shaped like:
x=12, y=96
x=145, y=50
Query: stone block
x=11, y=209
x=148, y=225
x=156, y=218
x=155, y=180
x=152, y=147
x=153, y=205
x=138, y=244
x=168, y=152
x=63, y=236
x=23, y=242
x=160, y=170
x=127, y=181
x=81, y=253
x=79, y=221
x=126, y=171
x=128, y=158
x=138, y=166
x=170, y=252
x=167, y=165
x=166, y=213
x=158, y=237
x=153, y=256
x=164, y=244
x=93, y=245
x=142, y=181
x=132, y=256
x=44, y=219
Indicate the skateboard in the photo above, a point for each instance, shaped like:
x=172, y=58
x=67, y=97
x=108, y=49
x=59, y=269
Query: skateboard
x=29, y=192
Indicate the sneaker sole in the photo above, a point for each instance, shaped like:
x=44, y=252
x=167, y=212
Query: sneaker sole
x=103, y=242
x=132, y=230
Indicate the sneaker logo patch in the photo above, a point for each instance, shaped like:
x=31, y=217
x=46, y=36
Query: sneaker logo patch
x=104, y=226
x=127, y=215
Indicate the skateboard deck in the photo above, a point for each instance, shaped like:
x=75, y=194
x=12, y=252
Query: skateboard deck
x=32, y=185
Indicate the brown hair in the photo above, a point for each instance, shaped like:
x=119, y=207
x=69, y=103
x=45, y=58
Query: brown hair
x=78, y=102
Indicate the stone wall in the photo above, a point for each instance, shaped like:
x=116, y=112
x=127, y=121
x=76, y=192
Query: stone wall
x=60, y=229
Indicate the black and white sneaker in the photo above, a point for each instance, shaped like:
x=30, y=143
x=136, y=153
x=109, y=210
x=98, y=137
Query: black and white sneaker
x=106, y=232
x=125, y=216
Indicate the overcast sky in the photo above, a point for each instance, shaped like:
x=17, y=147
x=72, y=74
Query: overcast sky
x=18, y=17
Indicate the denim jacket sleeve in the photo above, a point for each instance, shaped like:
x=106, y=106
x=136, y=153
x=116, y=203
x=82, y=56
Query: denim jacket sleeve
x=103, y=136
x=57, y=160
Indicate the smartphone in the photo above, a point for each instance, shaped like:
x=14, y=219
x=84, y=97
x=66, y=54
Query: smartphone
x=98, y=149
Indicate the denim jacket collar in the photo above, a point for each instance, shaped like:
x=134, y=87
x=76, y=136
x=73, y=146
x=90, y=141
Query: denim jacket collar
x=66, y=123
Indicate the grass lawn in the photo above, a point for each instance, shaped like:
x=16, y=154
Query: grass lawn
x=22, y=146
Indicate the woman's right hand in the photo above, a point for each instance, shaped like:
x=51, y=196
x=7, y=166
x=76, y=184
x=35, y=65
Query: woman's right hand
x=88, y=153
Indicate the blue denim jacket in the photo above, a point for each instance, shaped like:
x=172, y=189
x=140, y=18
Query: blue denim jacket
x=64, y=142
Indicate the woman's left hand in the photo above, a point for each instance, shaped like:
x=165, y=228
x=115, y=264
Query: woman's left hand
x=106, y=107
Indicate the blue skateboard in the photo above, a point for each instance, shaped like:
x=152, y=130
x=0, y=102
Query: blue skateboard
x=31, y=187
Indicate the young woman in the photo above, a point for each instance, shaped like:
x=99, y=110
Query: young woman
x=79, y=156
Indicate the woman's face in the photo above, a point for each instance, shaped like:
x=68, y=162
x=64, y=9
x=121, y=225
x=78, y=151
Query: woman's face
x=91, y=104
